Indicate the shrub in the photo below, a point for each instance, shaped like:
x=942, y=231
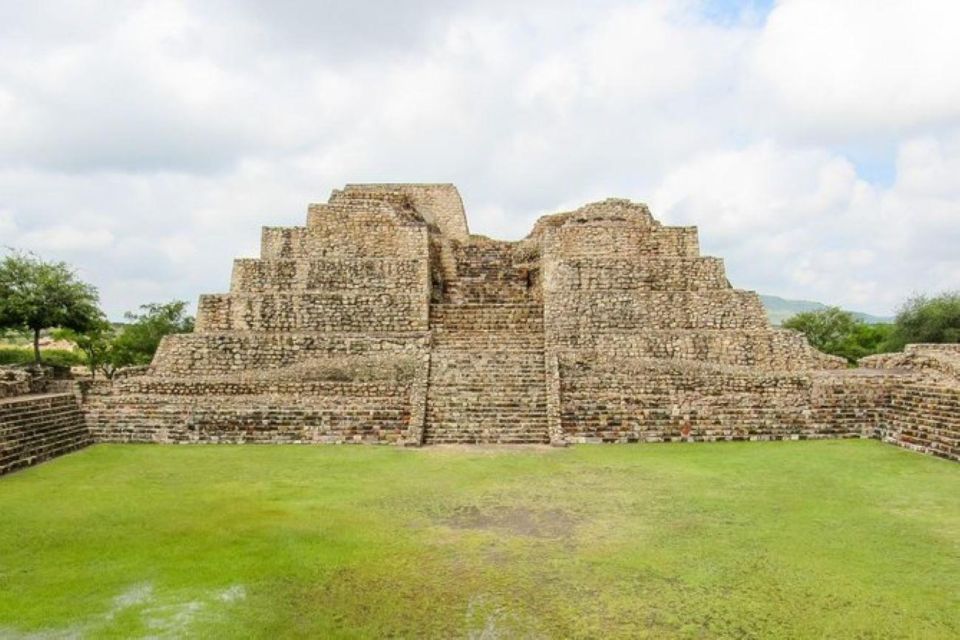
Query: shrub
x=928, y=319
x=52, y=357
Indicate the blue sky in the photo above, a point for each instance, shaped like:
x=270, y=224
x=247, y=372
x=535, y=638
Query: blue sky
x=815, y=143
x=731, y=11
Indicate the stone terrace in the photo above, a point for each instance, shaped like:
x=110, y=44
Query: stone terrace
x=383, y=320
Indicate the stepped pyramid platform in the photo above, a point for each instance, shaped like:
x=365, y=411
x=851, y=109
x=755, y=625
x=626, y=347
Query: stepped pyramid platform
x=383, y=319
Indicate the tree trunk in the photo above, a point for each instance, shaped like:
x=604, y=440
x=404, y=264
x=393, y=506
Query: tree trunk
x=36, y=346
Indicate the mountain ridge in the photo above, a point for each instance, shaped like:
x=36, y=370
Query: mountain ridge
x=780, y=309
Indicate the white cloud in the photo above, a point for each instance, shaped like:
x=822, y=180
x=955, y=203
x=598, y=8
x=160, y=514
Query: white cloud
x=67, y=238
x=849, y=68
x=804, y=224
x=147, y=142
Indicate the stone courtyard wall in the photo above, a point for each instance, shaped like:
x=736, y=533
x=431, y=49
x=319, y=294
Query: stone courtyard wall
x=654, y=400
x=35, y=428
x=924, y=416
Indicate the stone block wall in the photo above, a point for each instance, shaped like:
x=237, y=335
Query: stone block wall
x=774, y=350
x=14, y=383
x=383, y=320
x=924, y=416
x=655, y=400
x=618, y=284
x=256, y=412
x=346, y=311
x=438, y=204
x=251, y=275
x=34, y=428
x=238, y=353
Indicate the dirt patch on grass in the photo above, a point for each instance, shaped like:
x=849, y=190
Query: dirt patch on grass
x=518, y=521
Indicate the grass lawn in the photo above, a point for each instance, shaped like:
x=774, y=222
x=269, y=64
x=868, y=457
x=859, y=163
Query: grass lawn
x=837, y=539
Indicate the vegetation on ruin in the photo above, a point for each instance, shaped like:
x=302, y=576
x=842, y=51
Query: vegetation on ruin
x=839, y=539
x=921, y=319
x=109, y=347
x=840, y=333
x=50, y=357
x=928, y=319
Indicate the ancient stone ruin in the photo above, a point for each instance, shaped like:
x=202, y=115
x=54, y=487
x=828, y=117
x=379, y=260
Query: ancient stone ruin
x=39, y=419
x=383, y=320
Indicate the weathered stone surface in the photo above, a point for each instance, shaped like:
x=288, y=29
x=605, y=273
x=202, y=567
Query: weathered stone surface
x=383, y=320
x=37, y=427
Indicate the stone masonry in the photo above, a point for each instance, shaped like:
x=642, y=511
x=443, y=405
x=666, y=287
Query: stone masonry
x=383, y=320
x=40, y=419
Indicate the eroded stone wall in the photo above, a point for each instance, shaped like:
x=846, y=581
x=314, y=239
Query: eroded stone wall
x=924, y=416
x=35, y=428
x=14, y=383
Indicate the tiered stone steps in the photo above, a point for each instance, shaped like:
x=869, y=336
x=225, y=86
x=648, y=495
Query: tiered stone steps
x=38, y=427
x=487, y=378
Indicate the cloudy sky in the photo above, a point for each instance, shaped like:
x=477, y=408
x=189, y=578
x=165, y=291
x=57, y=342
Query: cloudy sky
x=816, y=143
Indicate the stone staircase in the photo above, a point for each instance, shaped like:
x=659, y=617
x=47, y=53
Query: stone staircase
x=34, y=428
x=490, y=272
x=487, y=380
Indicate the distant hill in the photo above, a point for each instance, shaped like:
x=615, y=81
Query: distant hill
x=779, y=309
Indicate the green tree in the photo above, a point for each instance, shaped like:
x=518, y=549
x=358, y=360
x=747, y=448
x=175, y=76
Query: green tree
x=38, y=295
x=96, y=342
x=840, y=333
x=928, y=319
x=826, y=329
x=138, y=341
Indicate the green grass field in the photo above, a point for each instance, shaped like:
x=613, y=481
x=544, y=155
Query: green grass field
x=839, y=539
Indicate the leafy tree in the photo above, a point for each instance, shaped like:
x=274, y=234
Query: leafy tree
x=138, y=341
x=868, y=339
x=928, y=319
x=96, y=342
x=840, y=333
x=826, y=329
x=38, y=295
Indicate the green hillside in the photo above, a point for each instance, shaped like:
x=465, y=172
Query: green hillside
x=779, y=309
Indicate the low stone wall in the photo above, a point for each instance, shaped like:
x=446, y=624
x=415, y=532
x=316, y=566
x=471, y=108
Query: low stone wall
x=312, y=413
x=35, y=428
x=941, y=361
x=924, y=416
x=640, y=400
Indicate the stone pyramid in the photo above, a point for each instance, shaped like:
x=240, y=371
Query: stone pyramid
x=383, y=320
